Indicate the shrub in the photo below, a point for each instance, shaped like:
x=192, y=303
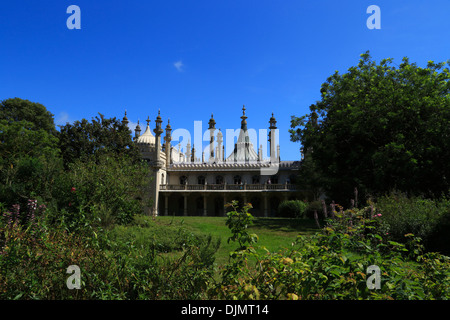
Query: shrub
x=292, y=209
x=100, y=191
x=132, y=264
x=333, y=264
x=312, y=207
x=161, y=262
x=425, y=218
x=34, y=258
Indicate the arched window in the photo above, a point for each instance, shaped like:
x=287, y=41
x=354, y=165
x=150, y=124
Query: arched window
x=274, y=179
x=219, y=180
x=183, y=180
x=237, y=180
x=201, y=180
x=255, y=179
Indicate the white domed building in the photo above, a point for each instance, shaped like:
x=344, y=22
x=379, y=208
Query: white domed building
x=184, y=184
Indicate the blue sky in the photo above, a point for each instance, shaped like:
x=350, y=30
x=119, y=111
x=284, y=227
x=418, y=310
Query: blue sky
x=193, y=58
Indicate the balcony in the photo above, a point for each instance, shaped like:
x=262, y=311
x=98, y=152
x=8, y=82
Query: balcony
x=227, y=187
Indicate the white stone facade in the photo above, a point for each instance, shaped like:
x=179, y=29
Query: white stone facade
x=184, y=184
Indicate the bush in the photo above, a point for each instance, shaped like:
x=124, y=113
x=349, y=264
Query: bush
x=127, y=262
x=100, y=191
x=34, y=258
x=292, y=209
x=425, y=218
x=312, y=207
x=334, y=264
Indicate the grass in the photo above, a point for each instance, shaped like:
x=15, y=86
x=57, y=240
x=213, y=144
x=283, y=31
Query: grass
x=273, y=233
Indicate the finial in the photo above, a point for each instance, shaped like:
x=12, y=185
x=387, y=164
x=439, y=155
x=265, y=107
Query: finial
x=243, y=109
x=148, y=120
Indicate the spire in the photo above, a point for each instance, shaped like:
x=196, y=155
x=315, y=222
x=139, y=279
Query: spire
x=273, y=122
x=212, y=122
x=137, y=130
x=168, y=136
x=167, y=140
x=158, y=130
x=244, y=119
x=125, y=119
x=193, y=154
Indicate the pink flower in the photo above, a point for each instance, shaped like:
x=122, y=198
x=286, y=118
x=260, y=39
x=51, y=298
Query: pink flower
x=73, y=189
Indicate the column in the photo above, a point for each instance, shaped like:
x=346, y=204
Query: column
x=224, y=205
x=265, y=206
x=166, y=204
x=185, y=204
x=205, y=203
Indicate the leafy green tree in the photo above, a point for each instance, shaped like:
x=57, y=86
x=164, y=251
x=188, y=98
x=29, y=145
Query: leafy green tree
x=100, y=191
x=16, y=109
x=29, y=152
x=380, y=127
x=84, y=139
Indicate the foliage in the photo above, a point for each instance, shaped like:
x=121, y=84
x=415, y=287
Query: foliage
x=29, y=162
x=34, y=258
x=238, y=222
x=84, y=139
x=334, y=265
x=100, y=191
x=118, y=264
x=34, y=114
x=380, y=127
x=292, y=209
x=148, y=272
x=426, y=218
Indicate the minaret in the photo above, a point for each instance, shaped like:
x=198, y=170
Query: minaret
x=137, y=131
x=188, y=151
x=244, y=128
x=212, y=128
x=244, y=119
x=272, y=138
x=158, y=131
x=125, y=119
x=167, y=140
x=157, y=166
x=219, y=151
x=193, y=154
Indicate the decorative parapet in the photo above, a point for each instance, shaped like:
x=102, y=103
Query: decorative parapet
x=200, y=166
x=228, y=187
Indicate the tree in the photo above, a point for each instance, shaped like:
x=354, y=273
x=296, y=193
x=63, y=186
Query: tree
x=380, y=127
x=84, y=139
x=105, y=189
x=16, y=109
x=29, y=151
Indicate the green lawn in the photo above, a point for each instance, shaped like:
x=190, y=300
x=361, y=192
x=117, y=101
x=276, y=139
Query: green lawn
x=273, y=233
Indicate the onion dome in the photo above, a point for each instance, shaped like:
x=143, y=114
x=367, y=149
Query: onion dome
x=147, y=137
